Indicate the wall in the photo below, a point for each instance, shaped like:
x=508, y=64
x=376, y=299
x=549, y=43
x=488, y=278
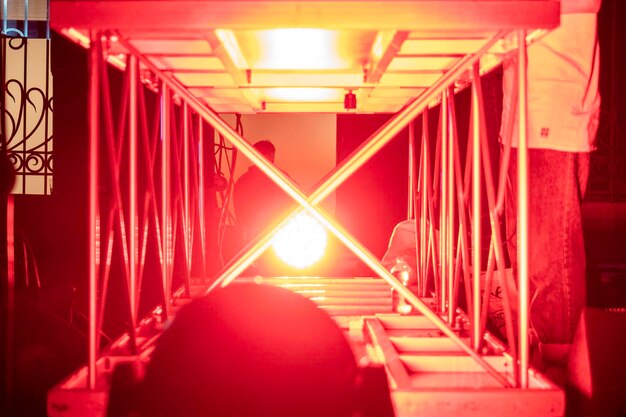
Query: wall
x=305, y=145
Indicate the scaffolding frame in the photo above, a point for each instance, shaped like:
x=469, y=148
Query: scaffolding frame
x=449, y=239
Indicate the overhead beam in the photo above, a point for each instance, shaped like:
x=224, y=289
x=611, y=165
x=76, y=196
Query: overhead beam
x=431, y=15
x=385, y=48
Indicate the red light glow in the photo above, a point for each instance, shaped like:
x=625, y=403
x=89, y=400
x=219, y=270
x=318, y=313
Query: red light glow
x=301, y=243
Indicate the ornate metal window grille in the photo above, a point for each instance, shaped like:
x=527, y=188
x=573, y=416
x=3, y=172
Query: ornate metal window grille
x=27, y=88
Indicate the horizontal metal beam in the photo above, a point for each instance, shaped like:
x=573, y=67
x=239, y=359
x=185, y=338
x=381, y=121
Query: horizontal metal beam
x=423, y=15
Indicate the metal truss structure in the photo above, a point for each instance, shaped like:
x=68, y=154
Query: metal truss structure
x=152, y=161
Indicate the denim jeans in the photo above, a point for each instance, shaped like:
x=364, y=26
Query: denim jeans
x=556, y=265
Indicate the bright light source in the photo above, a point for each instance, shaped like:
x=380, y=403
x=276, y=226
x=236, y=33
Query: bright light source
x=303, y=94
x=301, y=242
x=294, y=49
x=300, y=49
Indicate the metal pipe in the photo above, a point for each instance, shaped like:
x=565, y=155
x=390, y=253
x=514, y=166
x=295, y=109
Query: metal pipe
x=413, y=204
x=443, y=204
x=522, y=210
x=5, y=19
x=418, y=197
x=462, y=253
x=507, y=135
x=9, y=341
x=411, y=177
x=132, y=187
x=166, y=209
x=432, y=196
x=186, y=189
x=476, y=208
x=487, y=287
x=201, y=195
x=48, y=115
x=424, y=200
x=613, y=99
x=505, y=158
x=95, y=55
x=9, y=317
x=450, y=255
x=26, y=18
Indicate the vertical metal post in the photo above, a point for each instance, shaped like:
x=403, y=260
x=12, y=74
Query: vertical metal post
x=424, y=201
x=132, y=188
x=411, y=177
x=26, y=18
x=166, y=209
x=95, y=55
x=443, y=203
x=476, y=208
x=613, y=92
x=47, y=179
x=450, y=253
x=522, y=210
x=186, y=190
x=201, y=195
x=9, y=341
x=8, y=319
x=5, y=15
x=48, y=19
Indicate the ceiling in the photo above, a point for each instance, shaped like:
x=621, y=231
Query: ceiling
x=286, y=56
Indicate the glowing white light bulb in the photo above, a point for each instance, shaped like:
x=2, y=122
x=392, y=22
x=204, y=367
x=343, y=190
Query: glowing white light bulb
x=301, y=242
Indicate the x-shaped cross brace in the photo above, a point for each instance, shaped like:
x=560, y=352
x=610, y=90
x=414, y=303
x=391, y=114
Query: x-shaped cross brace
x=333, y=180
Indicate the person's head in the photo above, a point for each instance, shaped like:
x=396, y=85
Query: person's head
x=251, y=350
x=266, y=148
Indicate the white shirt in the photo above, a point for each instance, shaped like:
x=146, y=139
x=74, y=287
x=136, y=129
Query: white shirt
x=563, y=96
